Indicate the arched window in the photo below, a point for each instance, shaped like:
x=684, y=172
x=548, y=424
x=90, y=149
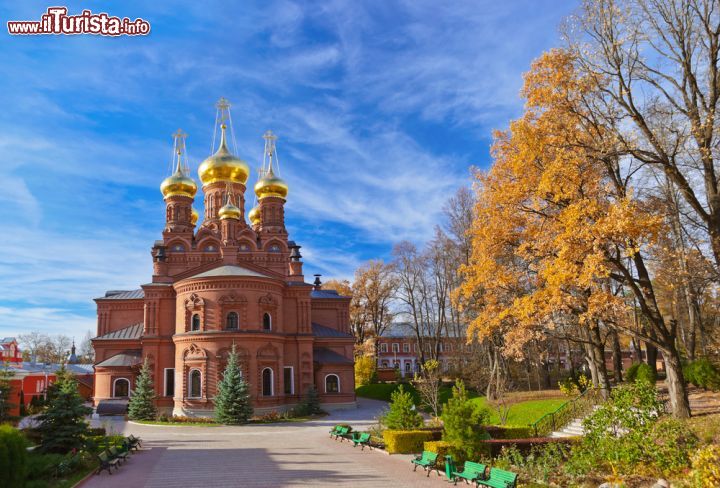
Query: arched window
x=332, y=384
x=195, y=384
x=195, y=325
x=121, y=387
x=267, y=382
x=232, y=321
x=267, y=321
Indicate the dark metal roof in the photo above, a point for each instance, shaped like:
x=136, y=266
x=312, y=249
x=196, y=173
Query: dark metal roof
x=326, y=294
x=133, y=331
x=112, y=407
x=123, y=295
x=323, y=331
x=323, y=355
x=125, y=358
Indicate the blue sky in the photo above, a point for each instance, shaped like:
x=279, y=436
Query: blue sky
x=381, y=108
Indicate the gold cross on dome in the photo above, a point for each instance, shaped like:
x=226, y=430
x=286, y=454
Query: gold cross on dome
x=223, y=104
x=179, y=137
x=270, y=139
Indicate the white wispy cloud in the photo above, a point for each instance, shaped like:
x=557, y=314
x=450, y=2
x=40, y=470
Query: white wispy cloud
x=363, y=96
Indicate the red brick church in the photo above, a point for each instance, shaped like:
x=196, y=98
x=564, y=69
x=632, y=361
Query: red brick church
x=225, y=281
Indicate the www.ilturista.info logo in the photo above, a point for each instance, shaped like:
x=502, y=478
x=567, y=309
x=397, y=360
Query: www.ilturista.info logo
x=57, y=21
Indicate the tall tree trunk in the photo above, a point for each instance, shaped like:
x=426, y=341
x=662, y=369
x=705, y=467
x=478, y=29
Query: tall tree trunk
x=677, y=389
x=652, y=355
x=617, y=358
x=598, y=350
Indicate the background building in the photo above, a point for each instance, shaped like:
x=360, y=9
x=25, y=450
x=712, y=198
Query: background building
x=9, y=350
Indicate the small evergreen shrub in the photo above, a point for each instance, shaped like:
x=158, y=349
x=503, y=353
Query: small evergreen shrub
x=405, y=441
x=311, y=403
x=62, y=425
x=13, y=456
x=402, y=414
x=645, y=373
x=703, y=374
x=232, y=403
x=631, y=372
x=463, y=422
x=640, y=371
x=142, y=401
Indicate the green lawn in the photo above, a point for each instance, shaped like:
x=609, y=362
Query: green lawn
x=382, y=391
x=522, y=413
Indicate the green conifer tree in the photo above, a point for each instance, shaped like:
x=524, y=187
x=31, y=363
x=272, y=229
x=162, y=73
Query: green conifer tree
x=232, y=403
x=62, y=425
x=142, y=400
x=402, y=414
x=312, y=401
x=6, y=375
x=464, y=422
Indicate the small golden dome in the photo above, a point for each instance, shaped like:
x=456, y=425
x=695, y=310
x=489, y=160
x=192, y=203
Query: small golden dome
x=223, y=165
x=178, y=184
x=254, y=215
x=271, y=186
x=194, y=216
x=230, y=211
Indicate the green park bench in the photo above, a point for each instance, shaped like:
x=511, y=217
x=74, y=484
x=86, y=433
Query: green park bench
x=362, y=440
x=116, y=453
x=106, y=463
x=426, y=460
x=500, y=478
x=472, y=472
x=134, y=442
x=335, y=430
x=350, y=435
x=341, y=433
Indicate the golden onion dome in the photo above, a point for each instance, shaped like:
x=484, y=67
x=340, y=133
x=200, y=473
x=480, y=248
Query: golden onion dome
x=178, y=184
x=223, y=165
x=271, y=186
x=254, y=215
x=230, y=211
x=194, y=216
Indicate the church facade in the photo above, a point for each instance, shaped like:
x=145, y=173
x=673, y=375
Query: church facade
x=223, y=282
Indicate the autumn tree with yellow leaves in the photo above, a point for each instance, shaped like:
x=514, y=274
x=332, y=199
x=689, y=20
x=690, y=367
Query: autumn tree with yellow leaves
x=559, y=235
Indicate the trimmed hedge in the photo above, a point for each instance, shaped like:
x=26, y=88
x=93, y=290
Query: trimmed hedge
x=440, y=447
x=509, y=432
x=13, y=456
x=406, y=441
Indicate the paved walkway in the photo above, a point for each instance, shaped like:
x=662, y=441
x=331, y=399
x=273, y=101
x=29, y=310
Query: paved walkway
x=275, y=455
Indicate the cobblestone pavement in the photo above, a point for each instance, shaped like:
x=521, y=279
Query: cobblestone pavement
x=274, y=455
